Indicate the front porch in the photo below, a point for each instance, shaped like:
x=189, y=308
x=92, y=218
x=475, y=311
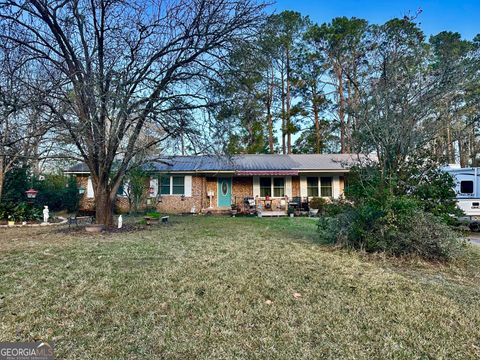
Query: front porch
x=271, y=195
x=269, y=206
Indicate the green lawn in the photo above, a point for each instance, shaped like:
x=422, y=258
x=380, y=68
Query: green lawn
x=208, y=287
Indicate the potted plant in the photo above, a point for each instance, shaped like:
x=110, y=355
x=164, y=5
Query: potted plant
x=291, y=211
x=152, y=218
x=234, y=210
x=11, y=222
x=94, y=228
x=316, y=206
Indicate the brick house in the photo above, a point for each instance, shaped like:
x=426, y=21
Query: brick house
x=184, y=184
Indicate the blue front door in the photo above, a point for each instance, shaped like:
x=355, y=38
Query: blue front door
x=224, y=192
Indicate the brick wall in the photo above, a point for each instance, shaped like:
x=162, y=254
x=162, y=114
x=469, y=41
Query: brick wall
x=241, y=187
x=86, y=203
x=174, y=204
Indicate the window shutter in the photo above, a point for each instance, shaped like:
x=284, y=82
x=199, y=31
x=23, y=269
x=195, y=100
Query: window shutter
x=256, y=186
x=336, y=187
x=288, y=186
x=154, y=186
x=90, y=192
x=303, y=186
x=126, y=189
x=188, y=185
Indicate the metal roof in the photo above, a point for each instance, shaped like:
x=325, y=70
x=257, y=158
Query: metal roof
x=257, y=162
x=78, y=168
x=250, y=162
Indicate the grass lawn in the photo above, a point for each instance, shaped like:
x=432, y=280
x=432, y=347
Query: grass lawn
x=208, y=287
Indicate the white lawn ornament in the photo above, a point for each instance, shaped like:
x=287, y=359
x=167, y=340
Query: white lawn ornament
x=46, y=214
x=120, y=222
x=210, y=195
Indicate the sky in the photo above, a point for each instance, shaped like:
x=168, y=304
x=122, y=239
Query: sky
x=461, y=16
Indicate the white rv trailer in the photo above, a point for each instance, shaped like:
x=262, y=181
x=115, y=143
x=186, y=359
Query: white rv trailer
x=467, y=188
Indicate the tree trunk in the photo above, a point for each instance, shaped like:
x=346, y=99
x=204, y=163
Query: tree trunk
x=450, y=149
x=104, y=202
x=348, y=129
x=341, y=108
x=2, y=176
x=473, y=147
x=269, y=114
x=270, y=130
x=318, y=138
x=288, y=125
x=284, y=149
x=356, y=102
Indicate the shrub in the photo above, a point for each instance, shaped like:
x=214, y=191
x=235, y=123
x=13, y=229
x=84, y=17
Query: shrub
x=392, y=216
x=153, y=214
x=58, y=193
x=317, y=203
x=400, y=230
x=20, y=212
x=336, y=207
x=15, y=185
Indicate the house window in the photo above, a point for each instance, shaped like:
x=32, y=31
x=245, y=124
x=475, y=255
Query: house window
x=270, y=186
x=123, y=189
x=165, y=185
x=265, y=186
x=326, y=187
x=278, y=187
x=466, y=187
x=312, y=186
x=172, y=185
x=178, y=185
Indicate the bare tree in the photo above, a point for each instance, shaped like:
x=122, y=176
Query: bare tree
x=115, y=66
x=22, y=126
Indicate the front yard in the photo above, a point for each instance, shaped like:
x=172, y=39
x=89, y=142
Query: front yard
x=209, y=287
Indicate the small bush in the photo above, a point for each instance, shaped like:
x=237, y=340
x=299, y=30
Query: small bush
x=336, y=207
x=317, y=203
x=58, y=193
x=20, y=212
x=153, y=214
x=398, y=216
x=400, y=229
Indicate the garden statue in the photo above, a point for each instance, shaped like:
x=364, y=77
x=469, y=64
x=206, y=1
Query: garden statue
x=120, y=222
x=46, y=214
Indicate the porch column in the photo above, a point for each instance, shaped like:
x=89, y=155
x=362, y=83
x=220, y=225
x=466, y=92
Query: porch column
x=303, y=186
x=256, y=186
x=288, y=186
x=336, y=187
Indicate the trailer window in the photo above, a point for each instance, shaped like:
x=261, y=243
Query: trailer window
x=466, y=187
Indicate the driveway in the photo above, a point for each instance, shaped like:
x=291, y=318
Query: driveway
x=474, y=238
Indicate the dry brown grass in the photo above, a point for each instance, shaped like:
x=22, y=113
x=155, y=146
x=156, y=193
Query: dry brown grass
x=210, y=287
